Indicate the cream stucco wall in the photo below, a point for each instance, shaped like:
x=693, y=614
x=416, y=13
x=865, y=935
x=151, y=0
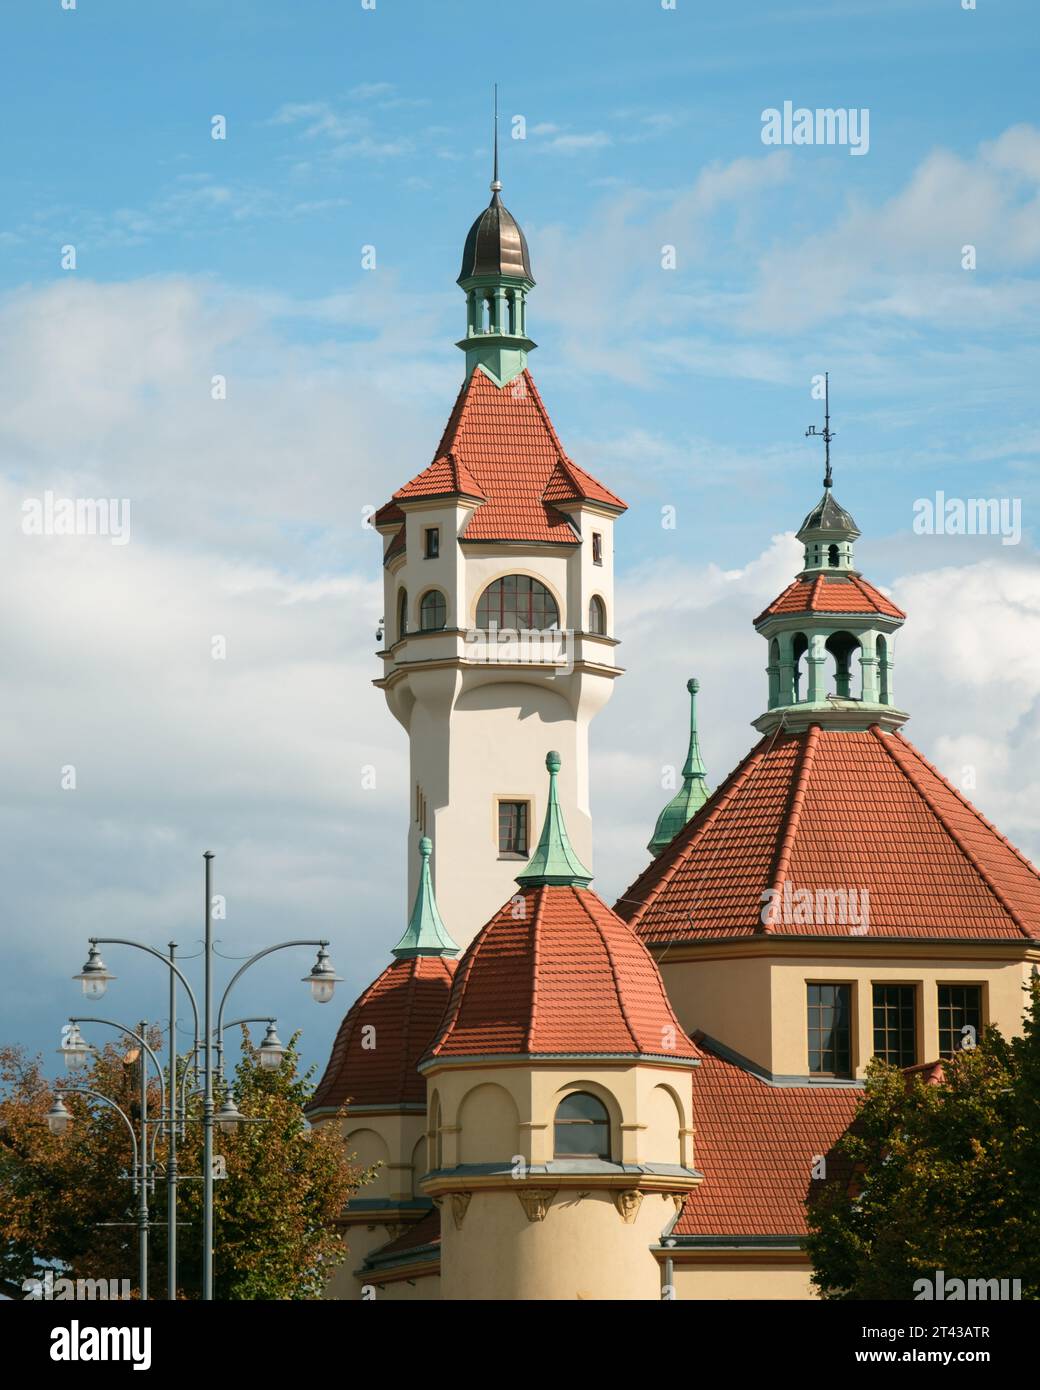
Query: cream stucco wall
x=480, y=721
x=716, y=1277
x=754, y=1000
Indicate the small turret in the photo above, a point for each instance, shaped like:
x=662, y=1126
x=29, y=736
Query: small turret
x=694, y=791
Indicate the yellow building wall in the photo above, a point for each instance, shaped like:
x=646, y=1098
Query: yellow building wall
x=755, y=1001
x=716, y=1279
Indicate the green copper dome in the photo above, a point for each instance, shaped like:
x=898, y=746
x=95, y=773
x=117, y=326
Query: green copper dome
x=554, y=861
x=425, y=934
x=694, y=791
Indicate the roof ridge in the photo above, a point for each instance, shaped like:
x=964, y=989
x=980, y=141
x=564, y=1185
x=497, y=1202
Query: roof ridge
x=722, y=797
x=613, y=971
x=542, y=411
x=408, y=1014
x=528, y=1042
x=968, y=854
x=451, y=1012
x=451, y=428
x=792, y=819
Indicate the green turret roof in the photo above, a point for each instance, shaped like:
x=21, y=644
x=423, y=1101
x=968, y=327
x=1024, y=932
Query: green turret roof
x=554, y=861
x=425, y=934
x=694, y=791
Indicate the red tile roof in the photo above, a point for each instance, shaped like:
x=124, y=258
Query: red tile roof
x=425, y=1231
x=827, y=593
x=396, y=547
x=755, y=1144
x=561, y=974
x=404, y=1006
x=834, y=810
x=500, y=446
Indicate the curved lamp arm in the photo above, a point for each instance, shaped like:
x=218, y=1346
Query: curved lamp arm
x=282, y=946
x=121, y=1028
x=170, y=965
x=86, y=1091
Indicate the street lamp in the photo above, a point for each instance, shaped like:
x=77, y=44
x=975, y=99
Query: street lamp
x=322, y=978
x=59, y=1117
x=74, y=1048
x=94, y=976
x=229, y=1117
x=272, y=1049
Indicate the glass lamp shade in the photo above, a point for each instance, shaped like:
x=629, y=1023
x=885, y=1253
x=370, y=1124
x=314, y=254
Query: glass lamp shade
x=59, y=1117
x=272, y=1050
x=323, y=978
x=94, y=976
x=74, y=1049
x=228, y=1117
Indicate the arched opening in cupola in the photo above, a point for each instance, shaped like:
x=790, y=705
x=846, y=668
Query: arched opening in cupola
x=882, y=668
x=833, y=556
x=799, y=646
x=842, y=646
x=581, y=1128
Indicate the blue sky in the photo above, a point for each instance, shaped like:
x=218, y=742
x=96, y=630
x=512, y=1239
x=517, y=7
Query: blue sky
x=687, y=388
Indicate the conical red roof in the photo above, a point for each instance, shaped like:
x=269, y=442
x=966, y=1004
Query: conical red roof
x=556, y=972
x=500, y=448
x=827, y=593
x=833, y=810
x=404, y=1006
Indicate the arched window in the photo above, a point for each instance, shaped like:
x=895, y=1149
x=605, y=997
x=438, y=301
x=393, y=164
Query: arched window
x=517, y=601
x=582, y=1128
x=597, y=616
x=433, y=611
x=841, y=646
x=402, y=613
x=832, y=556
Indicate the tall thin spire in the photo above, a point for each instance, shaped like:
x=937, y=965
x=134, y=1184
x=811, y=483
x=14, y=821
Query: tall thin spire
x=495, y=184
x=554, y=861
x=694, y=791
x=826, y=434
x=425, y=934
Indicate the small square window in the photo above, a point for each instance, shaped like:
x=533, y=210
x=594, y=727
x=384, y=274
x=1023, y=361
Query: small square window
x=597, y=548
x=433, y=542
x=512, y=829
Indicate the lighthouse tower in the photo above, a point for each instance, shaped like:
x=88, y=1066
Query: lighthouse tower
x=498, y=580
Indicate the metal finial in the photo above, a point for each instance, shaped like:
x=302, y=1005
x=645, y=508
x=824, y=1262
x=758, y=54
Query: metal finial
x=495, y=184
x=826, y=434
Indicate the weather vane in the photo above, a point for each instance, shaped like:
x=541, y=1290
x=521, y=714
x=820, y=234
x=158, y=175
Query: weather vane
x=826, y=434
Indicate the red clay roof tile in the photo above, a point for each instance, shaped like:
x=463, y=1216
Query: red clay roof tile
x=500, y=445
x=404, y=1006
x=756, y=1144
x=555, y=971
x=835, y=810
x=825, y=593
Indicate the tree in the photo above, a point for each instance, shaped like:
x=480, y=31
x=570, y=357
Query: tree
x=937, y=1173
x=276, y=1214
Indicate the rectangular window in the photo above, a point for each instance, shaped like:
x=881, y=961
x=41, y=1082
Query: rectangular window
x=597, y=548
x=960, y=1017
x=512, y=829
x=433, y=542
x=895, y=1024
x=830, y=1030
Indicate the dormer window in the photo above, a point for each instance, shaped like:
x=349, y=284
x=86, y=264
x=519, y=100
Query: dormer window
x=432, y=542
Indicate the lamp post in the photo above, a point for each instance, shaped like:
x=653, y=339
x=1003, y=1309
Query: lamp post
x=95, y=978
x=75, y=1050
x=59, y=1118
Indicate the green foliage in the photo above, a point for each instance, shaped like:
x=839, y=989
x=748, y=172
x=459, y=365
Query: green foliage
x=937, y=1176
